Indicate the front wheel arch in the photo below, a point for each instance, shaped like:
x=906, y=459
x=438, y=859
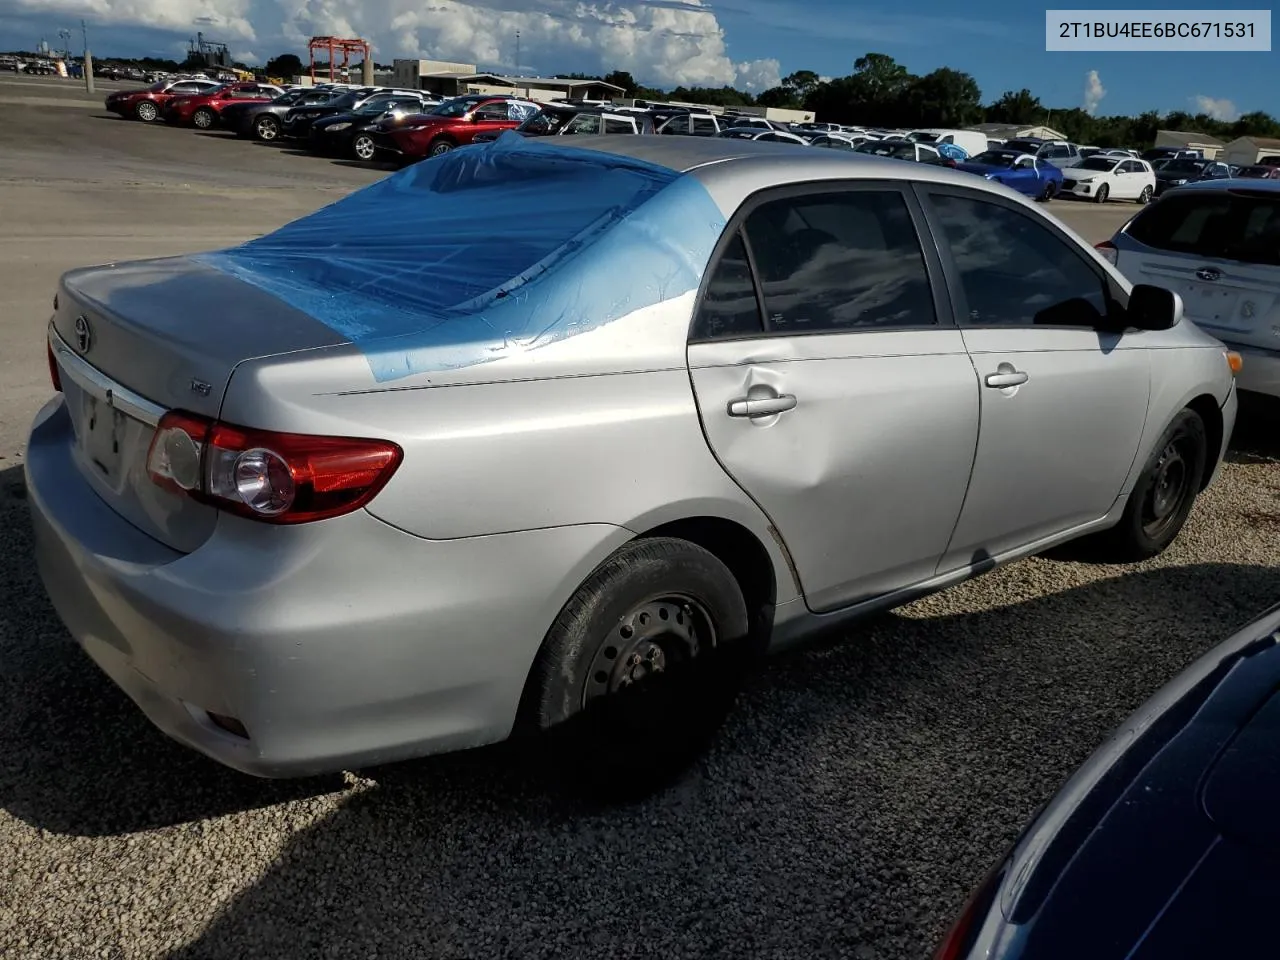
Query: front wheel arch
x=1211, y=415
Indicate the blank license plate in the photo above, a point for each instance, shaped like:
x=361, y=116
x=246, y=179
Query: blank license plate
x=104, y=430
x=1212, y=305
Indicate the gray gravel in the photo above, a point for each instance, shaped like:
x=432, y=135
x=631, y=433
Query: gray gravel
x=858, y=792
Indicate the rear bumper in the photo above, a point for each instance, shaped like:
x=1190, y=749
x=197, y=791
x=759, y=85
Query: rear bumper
x=1261, y=370
x=338, y=645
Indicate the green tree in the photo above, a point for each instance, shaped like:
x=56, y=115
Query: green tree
x=1019, y=107
x=943, y=98
x=623, y=79
x=285, y=65
x=782, y=97
x=800, y=84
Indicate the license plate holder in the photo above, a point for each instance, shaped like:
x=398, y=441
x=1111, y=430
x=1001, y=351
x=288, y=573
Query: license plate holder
x=1212, y=305
x=104, y=431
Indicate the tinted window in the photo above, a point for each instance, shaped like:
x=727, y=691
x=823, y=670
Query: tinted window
x=840, y=261
x=1218, y=225
x=618, y=126
x=729, y=306
x=676, y=125
x=1014, y=271
x=704, y=127
x=492, y=111
x=1057, y=153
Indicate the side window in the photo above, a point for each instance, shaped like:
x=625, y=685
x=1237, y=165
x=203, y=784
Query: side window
x=704, y=127
x=676, y=125
x=614, y=125
x=729, y=307
x=1058, y=152
x=583, y=123
x=493, y=111
x=838, y=262
x=1014, y=271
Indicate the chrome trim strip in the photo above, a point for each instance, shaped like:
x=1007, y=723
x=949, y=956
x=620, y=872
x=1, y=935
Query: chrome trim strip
x=94, y=382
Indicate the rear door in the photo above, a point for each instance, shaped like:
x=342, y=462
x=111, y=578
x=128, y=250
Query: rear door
x=1063, y=403
x=1220, y=251
x=833, y=386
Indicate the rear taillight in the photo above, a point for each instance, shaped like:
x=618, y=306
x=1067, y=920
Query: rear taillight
x=1108, y=250
x=959, y=940
x=54, y=375
x=274, y=477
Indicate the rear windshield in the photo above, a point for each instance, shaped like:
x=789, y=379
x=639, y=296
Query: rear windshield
x=1228, y=226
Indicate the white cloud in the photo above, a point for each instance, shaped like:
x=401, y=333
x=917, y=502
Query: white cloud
x=1094, y=91
x=247, y=56
x=664, y=42
x=1217, y=108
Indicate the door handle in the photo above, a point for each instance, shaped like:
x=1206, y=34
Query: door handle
x=1002, y=380
x=761, y=406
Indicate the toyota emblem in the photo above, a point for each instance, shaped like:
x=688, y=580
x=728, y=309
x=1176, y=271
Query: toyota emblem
x=84, y=337
x=1209, y=273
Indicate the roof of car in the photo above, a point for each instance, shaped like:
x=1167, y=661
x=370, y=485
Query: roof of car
x=1251, y=186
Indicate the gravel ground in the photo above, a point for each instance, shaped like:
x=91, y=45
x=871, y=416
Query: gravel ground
x=858, y=792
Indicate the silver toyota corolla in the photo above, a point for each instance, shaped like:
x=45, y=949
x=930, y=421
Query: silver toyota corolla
x=543, y=436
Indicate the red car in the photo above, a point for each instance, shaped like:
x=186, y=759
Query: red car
x=145, y=105
x=203, y=110
x=454, y=123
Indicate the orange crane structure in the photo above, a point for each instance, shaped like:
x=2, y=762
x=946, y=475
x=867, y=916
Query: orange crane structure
x=339, y=45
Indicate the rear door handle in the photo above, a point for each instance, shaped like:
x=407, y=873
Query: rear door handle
x=1001, y=380
x=761, y=406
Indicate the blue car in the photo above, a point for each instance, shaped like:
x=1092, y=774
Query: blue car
x=1021, y=171
x=1166, y=843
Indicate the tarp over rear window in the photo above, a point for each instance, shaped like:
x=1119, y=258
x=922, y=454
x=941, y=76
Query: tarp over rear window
x=506, y=244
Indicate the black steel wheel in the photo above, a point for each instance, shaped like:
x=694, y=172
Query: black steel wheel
x=1162, y=496
x=641, y=667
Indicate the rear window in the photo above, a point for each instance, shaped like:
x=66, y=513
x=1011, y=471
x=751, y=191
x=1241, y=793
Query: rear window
x=1227, y=226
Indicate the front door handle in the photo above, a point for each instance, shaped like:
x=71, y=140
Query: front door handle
x=1001, y=380
x=761, y=406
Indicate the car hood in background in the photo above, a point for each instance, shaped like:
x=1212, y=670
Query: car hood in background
x=982, y=168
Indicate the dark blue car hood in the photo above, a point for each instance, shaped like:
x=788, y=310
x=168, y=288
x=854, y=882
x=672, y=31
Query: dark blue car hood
x=982, y=168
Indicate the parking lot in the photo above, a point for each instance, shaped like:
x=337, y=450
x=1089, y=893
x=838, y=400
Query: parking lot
x=859, y=791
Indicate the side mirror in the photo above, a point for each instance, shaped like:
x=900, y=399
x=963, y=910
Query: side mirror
x=1153, y=308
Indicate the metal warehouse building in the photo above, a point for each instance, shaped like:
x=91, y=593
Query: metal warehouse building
x=1249, y=150
x=454, y=79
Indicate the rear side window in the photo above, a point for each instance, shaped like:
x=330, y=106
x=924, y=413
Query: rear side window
x=729, y=306
x=618, y=126
x=839, y=262
x=704, y=127
x=1226, y=226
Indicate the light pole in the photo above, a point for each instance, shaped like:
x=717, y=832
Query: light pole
x=88, y=59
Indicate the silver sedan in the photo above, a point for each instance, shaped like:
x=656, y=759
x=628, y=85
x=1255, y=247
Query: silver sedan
x=540, y=437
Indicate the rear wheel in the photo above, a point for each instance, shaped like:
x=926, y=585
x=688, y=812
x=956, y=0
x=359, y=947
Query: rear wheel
x=363, y=147
x=440, y=147
x=203, y=118
x=1163, y=496
x=1102, y=194
x=266, y=128
x=146, y=111
x=641, y=667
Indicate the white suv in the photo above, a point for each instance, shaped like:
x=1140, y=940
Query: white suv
x=1217, y=245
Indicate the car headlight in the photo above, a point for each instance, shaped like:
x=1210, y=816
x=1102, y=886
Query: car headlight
x=334, y=128
x=1080, y=179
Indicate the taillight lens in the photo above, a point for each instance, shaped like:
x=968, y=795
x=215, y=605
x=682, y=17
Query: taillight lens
x=268, y=476
x=1108, y=250
x=55, y=376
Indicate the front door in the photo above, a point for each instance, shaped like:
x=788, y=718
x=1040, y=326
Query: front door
x=1063, y=400
x=833, y=386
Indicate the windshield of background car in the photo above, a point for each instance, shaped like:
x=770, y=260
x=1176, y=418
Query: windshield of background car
x=1219, y=224
x=995, y=158
x=1187, y=167
x=1105, y=164
x=546, y=122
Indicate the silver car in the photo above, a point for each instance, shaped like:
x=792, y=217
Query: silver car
x=536, y=436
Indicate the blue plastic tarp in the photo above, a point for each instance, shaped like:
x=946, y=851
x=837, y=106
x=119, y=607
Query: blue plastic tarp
x=504, y=246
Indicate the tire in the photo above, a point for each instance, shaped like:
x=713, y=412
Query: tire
x=640, y=669
x=266, y=128
x=440, y=146
x=1101, y=196
x=203, y=119
x=1145, y=196
x=1048, y=192
x=146, y=111
x=1156, y=512
x=363, y=147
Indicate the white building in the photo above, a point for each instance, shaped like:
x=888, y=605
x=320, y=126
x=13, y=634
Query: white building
x=1246, y=151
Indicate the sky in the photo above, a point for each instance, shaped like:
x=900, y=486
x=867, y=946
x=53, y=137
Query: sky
x=749, y=44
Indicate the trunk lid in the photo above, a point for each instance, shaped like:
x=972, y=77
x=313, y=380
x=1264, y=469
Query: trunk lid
x=135, y=340
x=1220, y=251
